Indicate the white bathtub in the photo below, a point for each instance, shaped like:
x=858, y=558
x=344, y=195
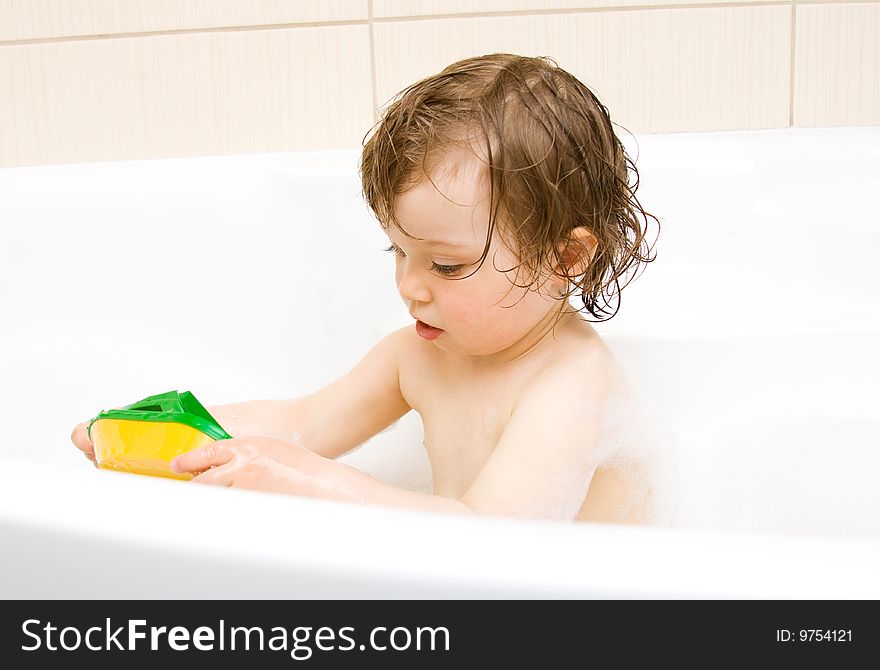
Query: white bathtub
x=753, y=337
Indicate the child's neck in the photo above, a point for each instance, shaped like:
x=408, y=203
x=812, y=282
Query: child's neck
x=532, y=347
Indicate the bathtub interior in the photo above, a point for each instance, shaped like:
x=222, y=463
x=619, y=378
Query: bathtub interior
x=750, y=342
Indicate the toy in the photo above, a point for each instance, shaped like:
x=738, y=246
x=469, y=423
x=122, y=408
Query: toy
x=145, y=436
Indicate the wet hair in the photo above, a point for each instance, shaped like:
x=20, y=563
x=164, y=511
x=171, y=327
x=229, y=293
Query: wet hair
x=554, y=163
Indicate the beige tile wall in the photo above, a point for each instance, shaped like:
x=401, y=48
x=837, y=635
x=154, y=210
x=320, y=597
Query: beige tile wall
x=91, y=80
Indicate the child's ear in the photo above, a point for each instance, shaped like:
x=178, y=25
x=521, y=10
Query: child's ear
x=577, y=252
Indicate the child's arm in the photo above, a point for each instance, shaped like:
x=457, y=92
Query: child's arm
x=346, y=413
x=549, y=450
x=542, y=465
x=329, y=422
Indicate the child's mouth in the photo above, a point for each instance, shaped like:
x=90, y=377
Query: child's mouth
x=428, y=332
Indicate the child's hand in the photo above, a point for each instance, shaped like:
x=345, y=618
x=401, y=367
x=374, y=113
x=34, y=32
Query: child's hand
x=238, y=419
x=259, y=462
x=80, y=438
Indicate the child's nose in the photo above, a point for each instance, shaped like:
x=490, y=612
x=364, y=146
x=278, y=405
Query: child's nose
x=411, y=286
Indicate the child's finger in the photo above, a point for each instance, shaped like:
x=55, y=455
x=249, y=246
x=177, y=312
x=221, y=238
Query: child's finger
x=221, y=476
x=202, y=458
x=80, y=438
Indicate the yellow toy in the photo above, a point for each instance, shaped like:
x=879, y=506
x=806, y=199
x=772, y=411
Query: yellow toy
x=145, y=436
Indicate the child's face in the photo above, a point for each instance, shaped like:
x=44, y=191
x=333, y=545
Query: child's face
x=483, y=314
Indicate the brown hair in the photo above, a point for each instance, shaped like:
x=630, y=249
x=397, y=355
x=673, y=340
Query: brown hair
x=554, y=164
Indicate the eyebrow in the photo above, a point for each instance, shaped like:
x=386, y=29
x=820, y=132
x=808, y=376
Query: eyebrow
x=441, y=243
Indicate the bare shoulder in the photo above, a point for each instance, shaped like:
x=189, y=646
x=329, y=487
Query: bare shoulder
x=410, y=347
x=415, y=361
x=581, y=369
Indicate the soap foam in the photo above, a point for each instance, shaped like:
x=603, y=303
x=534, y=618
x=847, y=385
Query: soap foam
x=490, y=420
x=640, y=447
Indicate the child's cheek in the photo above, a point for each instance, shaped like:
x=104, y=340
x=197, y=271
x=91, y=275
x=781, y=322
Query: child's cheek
x=478, y=316
x=458, y=312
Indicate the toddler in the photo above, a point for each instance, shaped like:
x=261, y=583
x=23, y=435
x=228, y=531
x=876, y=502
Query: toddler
x=504, y=193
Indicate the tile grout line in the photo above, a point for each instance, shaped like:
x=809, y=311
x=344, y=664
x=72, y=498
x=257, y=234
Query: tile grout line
x=791, y=83
x=370, y=20
x=372, y=62
x=596, y=10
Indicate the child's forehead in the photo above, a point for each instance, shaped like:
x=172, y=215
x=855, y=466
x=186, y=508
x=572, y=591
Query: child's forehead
x=456, y=184
x=458, y=167
x=455, y=212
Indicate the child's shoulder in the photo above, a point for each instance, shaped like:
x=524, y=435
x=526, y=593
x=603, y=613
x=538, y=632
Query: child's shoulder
x=581, y=365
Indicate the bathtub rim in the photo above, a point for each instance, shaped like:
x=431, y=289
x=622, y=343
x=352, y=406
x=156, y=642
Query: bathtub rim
x=483, y=556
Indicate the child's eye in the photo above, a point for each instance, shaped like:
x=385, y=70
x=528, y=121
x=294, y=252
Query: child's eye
x=446, y=269
x=442, y=269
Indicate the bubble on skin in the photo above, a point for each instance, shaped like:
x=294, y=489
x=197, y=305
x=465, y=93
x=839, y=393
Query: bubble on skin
x=638, y=446
x=339, y=491
x=563, y=498
x=334, y=488
x=490, y=419
x=621, y=444
x=584, y=409
x=282, y=473
x=210, y=453
x=267, y=474
x=569, y=492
